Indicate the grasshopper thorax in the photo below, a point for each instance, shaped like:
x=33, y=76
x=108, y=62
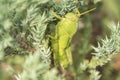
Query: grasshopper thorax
x=72, y=17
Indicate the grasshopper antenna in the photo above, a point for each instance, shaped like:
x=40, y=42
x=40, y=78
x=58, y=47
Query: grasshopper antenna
x=86, y=12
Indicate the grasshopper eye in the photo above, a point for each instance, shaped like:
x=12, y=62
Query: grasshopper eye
x=77, y=11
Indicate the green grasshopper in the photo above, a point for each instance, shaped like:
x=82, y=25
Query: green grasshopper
x=64, y=31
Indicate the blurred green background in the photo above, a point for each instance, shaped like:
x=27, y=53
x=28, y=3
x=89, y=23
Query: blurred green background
x=91, y=28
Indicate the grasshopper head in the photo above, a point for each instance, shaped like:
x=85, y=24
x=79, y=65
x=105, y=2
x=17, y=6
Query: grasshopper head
x=76, y=15
x=79, y=14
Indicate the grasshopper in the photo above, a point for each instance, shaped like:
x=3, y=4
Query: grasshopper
x=64, y=31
